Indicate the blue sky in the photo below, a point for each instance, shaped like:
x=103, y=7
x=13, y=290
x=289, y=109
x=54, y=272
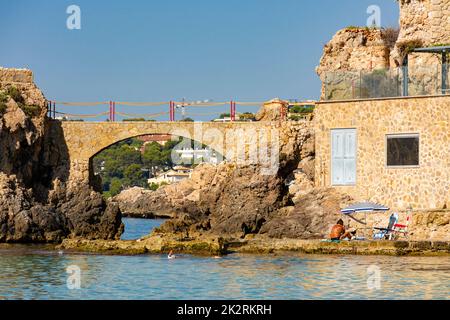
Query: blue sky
x=159, y=50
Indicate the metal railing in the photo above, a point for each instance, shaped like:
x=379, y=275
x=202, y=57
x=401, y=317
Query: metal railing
x=385, y=83
x=126, y=111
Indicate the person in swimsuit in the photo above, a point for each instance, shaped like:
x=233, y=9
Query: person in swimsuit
x=338, y=231
x=171, y=255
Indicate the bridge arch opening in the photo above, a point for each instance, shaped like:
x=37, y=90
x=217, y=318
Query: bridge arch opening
x=148, y=161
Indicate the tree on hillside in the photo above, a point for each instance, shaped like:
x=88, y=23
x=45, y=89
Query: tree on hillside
x=134, y=176
x=116, y=187
x=152, y=158
x=172, y=144
x=123, y=165
x=112, y=162
x=135, y=143
x=128, y=155
x=247, y=116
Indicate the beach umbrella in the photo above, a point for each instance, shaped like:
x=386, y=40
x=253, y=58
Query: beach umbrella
x=363, y=207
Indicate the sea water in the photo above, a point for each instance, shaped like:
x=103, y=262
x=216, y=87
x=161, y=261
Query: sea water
x=29, y=272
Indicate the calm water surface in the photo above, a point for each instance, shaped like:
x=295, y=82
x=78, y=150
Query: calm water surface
x=27, y=272
x=136, y=228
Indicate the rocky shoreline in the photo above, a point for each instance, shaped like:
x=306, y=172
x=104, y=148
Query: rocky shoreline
x=220, y=208
x=213, y=246
x=40, y=202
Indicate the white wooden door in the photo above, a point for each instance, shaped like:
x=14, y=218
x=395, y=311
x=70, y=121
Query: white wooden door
x=343, y=157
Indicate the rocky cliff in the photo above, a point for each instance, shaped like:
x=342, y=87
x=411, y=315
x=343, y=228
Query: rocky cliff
x=355, y=48
x=35, y=205
x=354, y=51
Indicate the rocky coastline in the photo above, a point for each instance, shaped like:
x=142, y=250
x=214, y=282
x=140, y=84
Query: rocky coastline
x=218, y=246
x=220, y=209
x=38, y=203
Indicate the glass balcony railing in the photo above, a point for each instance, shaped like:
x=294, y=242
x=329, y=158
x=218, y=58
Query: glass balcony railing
x=386, y=83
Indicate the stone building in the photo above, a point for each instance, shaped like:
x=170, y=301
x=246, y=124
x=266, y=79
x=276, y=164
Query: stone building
x=392, y=151
x=386, y=148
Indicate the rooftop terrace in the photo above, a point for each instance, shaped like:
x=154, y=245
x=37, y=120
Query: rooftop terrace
x=403, y=81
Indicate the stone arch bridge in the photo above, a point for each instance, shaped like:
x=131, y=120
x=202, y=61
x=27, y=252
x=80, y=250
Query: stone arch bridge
x=245, y=142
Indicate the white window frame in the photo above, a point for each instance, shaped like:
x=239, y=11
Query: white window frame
x=400, y=135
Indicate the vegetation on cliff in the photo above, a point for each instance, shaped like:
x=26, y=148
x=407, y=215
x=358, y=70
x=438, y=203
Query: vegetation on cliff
x=13, y=93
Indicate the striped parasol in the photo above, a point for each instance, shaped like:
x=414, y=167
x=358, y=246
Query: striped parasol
x=363, y=207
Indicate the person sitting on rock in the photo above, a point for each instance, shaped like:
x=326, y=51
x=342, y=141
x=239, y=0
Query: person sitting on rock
x=338, y=231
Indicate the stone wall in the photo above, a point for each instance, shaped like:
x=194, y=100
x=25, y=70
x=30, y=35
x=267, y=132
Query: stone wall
x=424, y=187
x=425, y=23
x=424, y=20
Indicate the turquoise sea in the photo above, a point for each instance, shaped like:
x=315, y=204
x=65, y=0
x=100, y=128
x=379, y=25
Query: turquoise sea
x=30, y=272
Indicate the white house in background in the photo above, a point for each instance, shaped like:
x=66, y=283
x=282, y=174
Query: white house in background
x=175, y=175
x=226, y=119
x=189, y=155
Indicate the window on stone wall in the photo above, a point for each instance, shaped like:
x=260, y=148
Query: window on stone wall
x=402, y=150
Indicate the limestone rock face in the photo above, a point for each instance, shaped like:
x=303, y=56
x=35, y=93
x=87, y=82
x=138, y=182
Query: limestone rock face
x=235, y=201
x=143, y=203
x=89, y=216
x=353, y=50
x=35, y=204
x=271, y=110
x=431, y=226
x=312, y=216
x=301, y=185
x=223, y=199
x=15, y=118
x=22, y=79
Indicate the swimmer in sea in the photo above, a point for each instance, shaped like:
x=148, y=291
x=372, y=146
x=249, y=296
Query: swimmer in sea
x=171, y=255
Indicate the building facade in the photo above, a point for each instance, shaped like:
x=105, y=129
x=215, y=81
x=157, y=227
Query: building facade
x=392, y=151
x=177, y=174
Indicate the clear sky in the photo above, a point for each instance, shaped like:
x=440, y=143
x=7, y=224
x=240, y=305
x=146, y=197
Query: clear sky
x=157, y=50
